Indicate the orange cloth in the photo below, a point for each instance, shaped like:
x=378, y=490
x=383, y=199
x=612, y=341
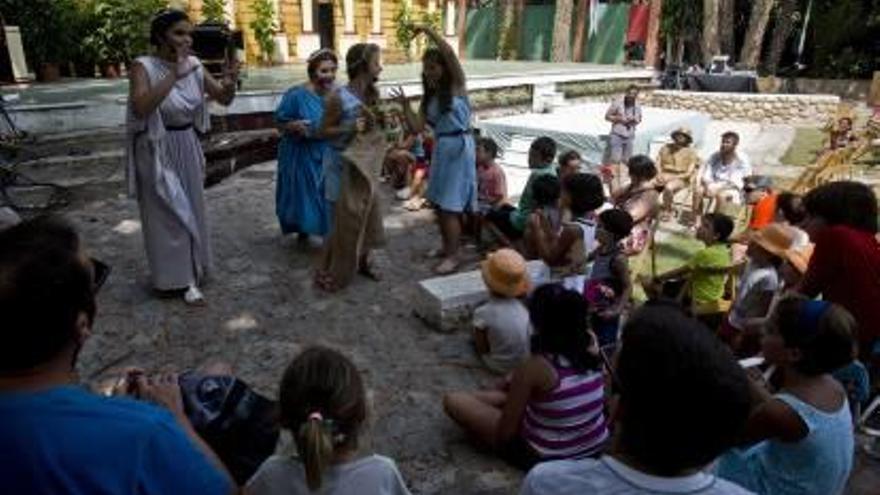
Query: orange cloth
x=764, y=212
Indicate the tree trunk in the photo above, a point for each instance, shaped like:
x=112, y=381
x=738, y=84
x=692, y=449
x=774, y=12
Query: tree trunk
x=754, y=40
x=580, y=28
x=461, y=28
x=710, y=44
x=727, y=27
x=786, y=20
x=508, y=39
x=652, y=46
x=561, y=50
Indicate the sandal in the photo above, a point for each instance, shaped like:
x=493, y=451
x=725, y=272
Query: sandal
x=193, y=296
x=446, y=267
x=325, y=282
x=414, y=204
x=436, y=254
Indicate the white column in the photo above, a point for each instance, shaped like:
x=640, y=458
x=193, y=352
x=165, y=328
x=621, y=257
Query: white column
x=308, y=25
x=450, y=17
x=377, y=17
x=348, y=13
x=432, y=6
x=230, y=13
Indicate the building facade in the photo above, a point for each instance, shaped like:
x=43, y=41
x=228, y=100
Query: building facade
x=308, y=25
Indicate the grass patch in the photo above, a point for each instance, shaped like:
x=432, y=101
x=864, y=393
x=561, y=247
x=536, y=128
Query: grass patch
x=673, y=250
x=802, y=152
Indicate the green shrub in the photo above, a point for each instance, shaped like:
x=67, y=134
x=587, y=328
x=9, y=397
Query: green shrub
x=264, y=28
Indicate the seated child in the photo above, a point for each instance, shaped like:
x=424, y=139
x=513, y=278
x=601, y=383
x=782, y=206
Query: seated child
x=501, y=325
x=553, y=406
x=800, y=439
x=491, y=184
x=508, y=223
x=569, y=164
x=546, y=212
x=683, y=399
x=608, y=288
x=566, y=249
x=399, y=160
x=417, y=179
x=323, y=404
x=705, y=269
x=758, y=283
x=790, y=212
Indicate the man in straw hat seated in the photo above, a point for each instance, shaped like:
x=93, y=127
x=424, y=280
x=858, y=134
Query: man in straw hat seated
x=678, y=163
x=501, y=325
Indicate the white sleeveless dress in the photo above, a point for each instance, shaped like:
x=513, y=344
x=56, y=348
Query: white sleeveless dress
x=165, y=171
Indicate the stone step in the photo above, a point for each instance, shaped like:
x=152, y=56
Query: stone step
x=447, y=303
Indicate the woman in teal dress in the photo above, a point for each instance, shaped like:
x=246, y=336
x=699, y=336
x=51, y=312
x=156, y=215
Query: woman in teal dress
x=299, y=196
x=452, y=185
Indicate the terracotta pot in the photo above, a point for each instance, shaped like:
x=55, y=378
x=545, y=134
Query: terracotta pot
x=110, y=70
x=48, y=72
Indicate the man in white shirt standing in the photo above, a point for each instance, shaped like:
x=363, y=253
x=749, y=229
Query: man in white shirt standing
x=625, y=115
x=724, y=174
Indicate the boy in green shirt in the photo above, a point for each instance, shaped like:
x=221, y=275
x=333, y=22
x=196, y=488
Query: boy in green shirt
x=705, y=269
x=509, y=223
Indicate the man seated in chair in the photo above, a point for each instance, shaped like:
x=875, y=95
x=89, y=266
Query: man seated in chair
x=700, y=284
x=724, y=175
x=678, y=163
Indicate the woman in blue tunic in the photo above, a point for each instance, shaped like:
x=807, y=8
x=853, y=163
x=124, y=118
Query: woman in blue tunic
x=452, y=185
x=299, y=195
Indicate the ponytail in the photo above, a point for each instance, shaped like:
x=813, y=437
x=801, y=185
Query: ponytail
x=315, y=446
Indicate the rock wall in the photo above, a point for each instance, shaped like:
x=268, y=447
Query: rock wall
x=766, y=108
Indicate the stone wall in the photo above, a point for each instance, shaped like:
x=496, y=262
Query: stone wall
x=765, y=108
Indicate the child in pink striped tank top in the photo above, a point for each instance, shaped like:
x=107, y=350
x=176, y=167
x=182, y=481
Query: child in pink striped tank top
x=552, y=407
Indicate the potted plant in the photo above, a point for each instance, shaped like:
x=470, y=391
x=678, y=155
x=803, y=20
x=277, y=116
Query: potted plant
x=214, y=12
x=46, y=32
x=121, y=32
x=264, y=28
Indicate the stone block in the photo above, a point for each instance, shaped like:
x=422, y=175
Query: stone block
x=446, y=303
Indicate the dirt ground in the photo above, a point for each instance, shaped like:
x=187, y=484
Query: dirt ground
x=263, y=309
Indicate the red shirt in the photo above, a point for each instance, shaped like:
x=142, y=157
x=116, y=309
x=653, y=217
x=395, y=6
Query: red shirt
x=845, y=269
x=491, y=184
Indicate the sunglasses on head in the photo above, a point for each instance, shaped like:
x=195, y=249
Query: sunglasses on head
x=100, y=272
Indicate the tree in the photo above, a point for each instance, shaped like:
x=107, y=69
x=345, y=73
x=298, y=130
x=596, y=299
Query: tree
x=509, y=14
x=214, y=11
x=754, y=40
x=785, y=19
x=727, y=27
x=264, y=28
x=583, y=8
x=561, y=49
x=461, y=28
x=710, y=45
x=680, y=22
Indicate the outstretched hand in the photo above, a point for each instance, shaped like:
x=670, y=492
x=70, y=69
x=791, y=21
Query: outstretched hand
x=398, y=95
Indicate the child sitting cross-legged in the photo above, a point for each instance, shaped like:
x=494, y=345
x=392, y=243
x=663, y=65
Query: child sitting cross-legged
x=553, y=406
x=799, y=438
x=491, y=185
x=323, y=404
x=608, y=287
x=501, y=326
x=567, y=248
x=704, y=270
x=680, y=400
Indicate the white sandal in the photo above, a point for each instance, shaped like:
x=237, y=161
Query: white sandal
x=194, y=296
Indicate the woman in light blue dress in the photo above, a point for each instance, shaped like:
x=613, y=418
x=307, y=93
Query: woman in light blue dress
x=452, y=185
x=299, y=195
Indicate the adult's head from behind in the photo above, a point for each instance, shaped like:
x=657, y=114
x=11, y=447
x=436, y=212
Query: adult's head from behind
x=729, y=142
x=487, y=150
x=790, y=209
x=715, y=227
x=323, y=404
x=641, y=169
x=559, y=319
x=813, y=337
x=582, y=193
x=542, y=152
x=47, y=297
x=569, y=163
x=632, y=92
x=364, y=62
x=545, y=191
x=321, y=68
x=614, y=225
x=847, y=203
x=683, y=397
x=756, y=188
x=171, y=32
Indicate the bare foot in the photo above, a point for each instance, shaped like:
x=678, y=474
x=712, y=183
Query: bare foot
x=446, y=267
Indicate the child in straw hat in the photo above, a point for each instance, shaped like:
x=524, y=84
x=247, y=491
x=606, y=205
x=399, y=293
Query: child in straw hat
x=501, y=325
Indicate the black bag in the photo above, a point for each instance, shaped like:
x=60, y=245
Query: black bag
x=238, y=423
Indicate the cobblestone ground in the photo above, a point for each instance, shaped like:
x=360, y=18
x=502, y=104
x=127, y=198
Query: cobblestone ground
x=263, y=310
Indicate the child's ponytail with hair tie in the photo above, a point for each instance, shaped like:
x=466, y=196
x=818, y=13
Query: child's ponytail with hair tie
x=315, y=446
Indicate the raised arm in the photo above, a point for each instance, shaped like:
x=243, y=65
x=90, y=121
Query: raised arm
x=456, y=72
x=415, y=122
x=331, y=123
x=145, y=98
x=223, y=91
